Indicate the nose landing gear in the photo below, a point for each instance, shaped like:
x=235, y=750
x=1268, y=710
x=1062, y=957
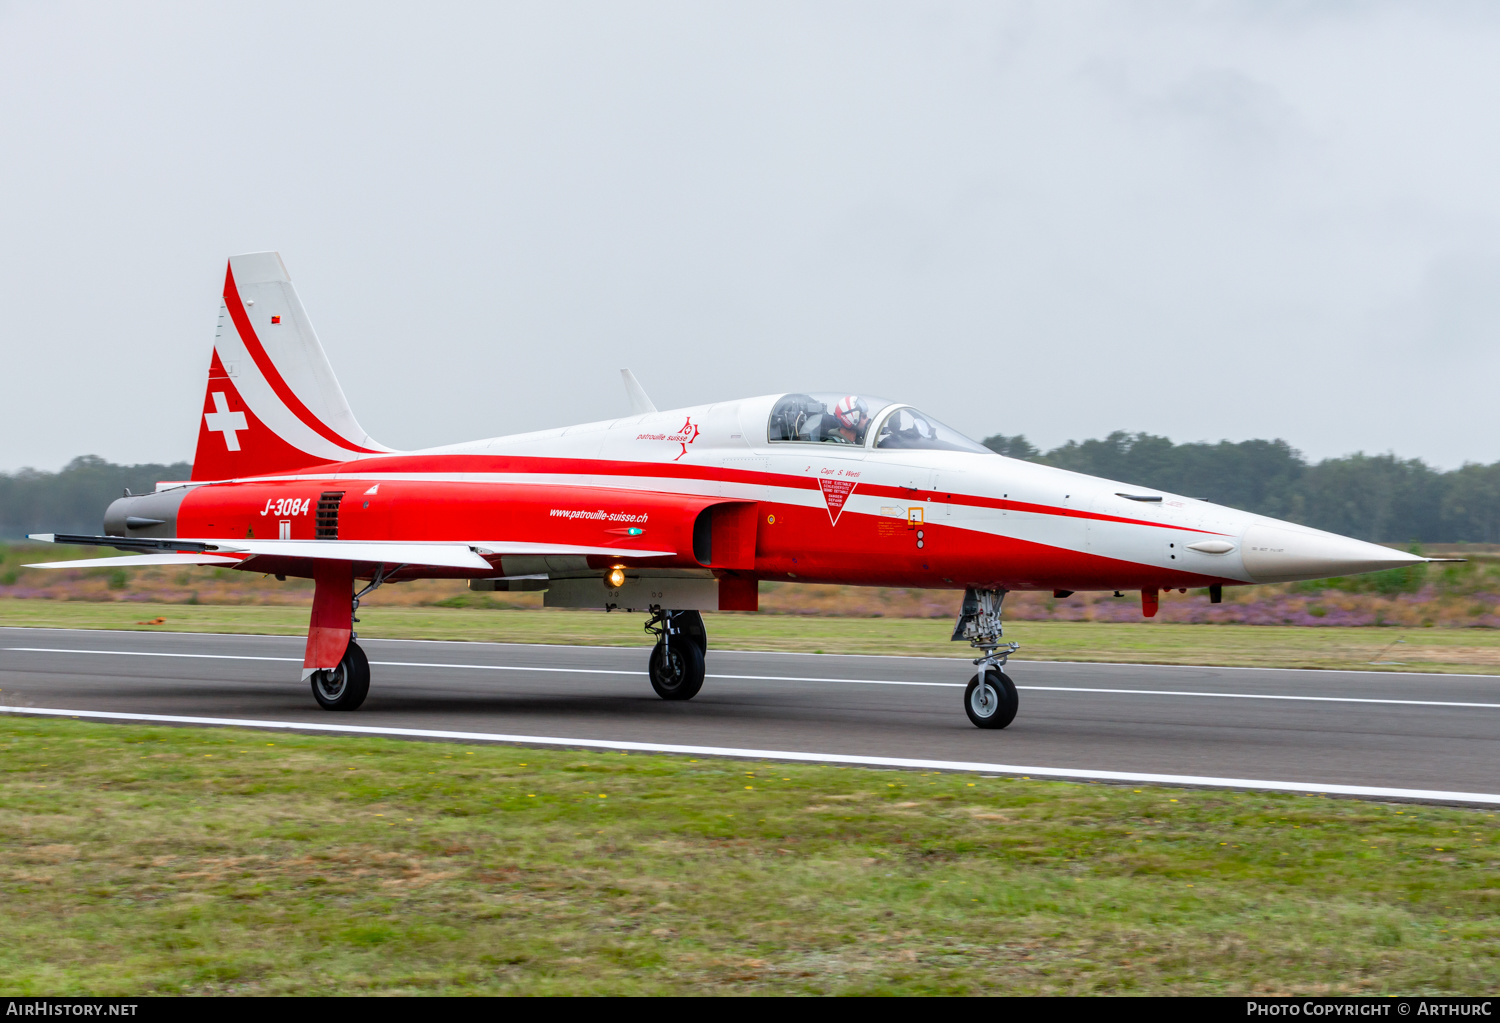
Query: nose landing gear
x=990, y=699
x=676, y=665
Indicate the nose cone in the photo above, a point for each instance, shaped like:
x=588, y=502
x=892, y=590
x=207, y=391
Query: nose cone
x=1284, y=554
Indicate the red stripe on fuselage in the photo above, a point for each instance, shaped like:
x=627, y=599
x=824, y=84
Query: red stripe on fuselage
x=273, y=375
x=594, y=467
x=794, y=542
x=1039, y=509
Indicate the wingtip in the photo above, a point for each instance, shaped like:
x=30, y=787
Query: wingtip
x=43, y=537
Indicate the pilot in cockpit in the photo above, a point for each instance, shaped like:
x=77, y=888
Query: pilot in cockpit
x=851, y=418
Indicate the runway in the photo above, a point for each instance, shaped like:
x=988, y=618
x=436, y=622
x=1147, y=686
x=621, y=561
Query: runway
x=1436, y=737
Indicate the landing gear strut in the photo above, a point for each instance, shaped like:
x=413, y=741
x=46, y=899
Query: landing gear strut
x=676, y=665
x=990, y=699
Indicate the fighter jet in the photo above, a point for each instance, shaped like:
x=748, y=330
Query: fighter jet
x=667, y=513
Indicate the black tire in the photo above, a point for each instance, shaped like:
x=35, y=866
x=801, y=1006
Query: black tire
x=676, y=670
x=690, y=624
x=344, y=687
x=997, y=706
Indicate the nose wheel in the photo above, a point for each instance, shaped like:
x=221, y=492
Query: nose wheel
x=676, y=666
x=990, y=699
x=676, y=670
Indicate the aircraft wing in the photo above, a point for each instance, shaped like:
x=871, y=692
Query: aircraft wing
x=439, y=555
x=220, y=552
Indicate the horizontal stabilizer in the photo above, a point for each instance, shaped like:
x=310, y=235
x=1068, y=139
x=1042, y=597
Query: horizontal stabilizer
x=124, y=543
x=140, y=560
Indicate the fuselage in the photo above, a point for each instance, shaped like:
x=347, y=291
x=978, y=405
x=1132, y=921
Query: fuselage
x=851, y=513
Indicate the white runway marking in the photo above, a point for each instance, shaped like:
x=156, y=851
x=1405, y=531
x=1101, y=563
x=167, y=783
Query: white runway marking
x=145, y=653
x=1137, y=777
x=798, y=678
x=1446, y=675
x=855, y=681
x=485, y=667
x=1260, y=696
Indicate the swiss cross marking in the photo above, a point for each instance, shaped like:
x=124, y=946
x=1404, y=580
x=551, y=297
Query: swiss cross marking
x=226, y=422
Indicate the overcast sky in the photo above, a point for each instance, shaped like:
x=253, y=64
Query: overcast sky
x=1195, y=219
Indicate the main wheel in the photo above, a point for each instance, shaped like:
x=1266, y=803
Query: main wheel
x=676, y=670
x=993, y=704
x=344, y=687
x=690, y=624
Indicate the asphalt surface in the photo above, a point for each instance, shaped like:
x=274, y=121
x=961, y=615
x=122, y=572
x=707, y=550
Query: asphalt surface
x=1288, y=725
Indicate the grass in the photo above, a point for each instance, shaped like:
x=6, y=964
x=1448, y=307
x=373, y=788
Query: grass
x=1438, y=650
x=157, y=861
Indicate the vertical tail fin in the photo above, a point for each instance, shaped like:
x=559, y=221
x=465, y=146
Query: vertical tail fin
x=272, y=403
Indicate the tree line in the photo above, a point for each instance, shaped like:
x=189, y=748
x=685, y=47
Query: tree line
x=73, y=499
x=1373, y=497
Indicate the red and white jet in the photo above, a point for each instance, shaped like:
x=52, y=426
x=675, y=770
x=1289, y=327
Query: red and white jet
x=666, y=512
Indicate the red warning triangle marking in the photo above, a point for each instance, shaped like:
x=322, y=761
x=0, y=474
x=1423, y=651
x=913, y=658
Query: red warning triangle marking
x=835, y=493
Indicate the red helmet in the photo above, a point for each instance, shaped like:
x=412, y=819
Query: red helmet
x=850, y=410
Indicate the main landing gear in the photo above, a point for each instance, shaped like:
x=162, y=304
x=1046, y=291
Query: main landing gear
x=990, y=699
x=676, y=664
x=346, y=684
x=344, y=687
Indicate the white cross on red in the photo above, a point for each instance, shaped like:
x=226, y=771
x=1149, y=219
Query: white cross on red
x=226, y=422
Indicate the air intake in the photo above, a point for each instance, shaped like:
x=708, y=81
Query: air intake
x=328, y=514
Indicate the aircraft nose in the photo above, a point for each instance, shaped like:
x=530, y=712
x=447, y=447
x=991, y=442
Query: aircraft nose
x=1278, y=554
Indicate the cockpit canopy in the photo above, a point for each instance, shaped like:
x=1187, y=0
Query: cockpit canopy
x=831, y=418
x=824, y=418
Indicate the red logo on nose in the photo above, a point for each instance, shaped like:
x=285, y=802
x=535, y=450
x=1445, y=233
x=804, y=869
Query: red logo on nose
x=687, y=424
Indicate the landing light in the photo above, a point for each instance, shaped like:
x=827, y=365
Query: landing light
x=616, y=578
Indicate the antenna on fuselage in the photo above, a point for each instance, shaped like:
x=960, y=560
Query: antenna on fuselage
x=639, y=402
